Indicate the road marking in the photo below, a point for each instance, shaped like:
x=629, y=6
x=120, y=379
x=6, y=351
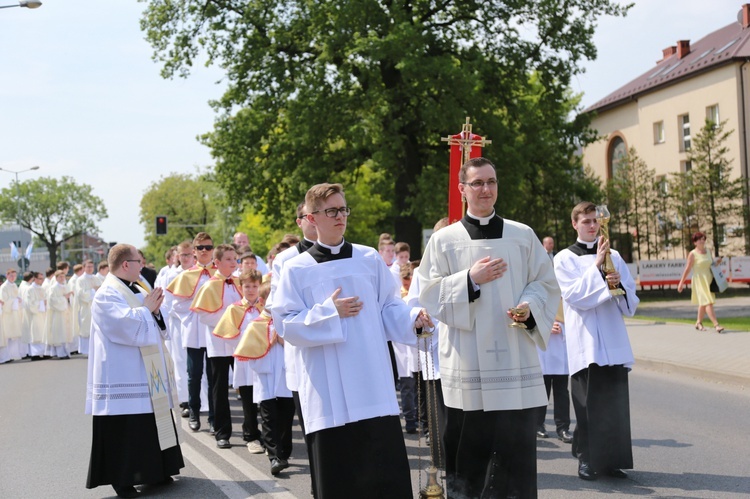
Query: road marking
x=225, y=483
x=258, y=477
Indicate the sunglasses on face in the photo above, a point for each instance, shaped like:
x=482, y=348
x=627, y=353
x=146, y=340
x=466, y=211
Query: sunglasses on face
x=204, y=247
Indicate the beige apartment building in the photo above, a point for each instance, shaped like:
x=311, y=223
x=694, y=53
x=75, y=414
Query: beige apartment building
x=657, y=112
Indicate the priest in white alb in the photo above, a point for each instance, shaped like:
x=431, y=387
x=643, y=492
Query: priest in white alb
x=130, y=383
x=472, y=273
x=338, y=306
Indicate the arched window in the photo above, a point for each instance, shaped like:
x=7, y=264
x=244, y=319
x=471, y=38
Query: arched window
x=616, y=152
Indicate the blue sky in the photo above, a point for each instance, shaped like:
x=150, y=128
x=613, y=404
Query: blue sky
x=80, y=95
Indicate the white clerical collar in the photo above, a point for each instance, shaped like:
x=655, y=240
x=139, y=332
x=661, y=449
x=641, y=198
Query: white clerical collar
x=482, y=220
x=306, y=239
x=587, y=244
x=333, y=249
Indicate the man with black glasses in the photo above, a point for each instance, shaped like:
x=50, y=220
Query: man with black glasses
x=338, y=305
x=490, y=283
x=194, y=334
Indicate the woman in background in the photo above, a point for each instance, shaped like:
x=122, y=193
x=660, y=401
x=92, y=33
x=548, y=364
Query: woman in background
x=700, y=262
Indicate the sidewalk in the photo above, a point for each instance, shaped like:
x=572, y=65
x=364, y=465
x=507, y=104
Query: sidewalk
x=673, y=347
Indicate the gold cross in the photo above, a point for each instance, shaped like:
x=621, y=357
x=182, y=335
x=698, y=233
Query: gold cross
x=466, y=142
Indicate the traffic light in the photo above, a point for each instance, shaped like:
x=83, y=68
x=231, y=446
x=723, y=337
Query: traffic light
x=161, y=225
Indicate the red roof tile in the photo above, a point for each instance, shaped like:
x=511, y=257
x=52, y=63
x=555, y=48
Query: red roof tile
x=721, y=47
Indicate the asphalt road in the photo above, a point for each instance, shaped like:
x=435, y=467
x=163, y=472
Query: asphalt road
x=688, y=441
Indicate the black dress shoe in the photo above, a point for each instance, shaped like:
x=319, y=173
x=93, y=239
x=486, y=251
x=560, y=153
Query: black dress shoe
x=617, y=473
x=585, y=471
x=185, y=413
x=565, y=436
x=277, y=466
x=541, y=432
x=211, y=429
x=223, y=444
x=194, y=424
x=125, y=490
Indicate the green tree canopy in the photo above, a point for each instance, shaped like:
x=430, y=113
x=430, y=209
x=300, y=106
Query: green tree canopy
x=319, y=89
x=54, y=210
x=192, y=204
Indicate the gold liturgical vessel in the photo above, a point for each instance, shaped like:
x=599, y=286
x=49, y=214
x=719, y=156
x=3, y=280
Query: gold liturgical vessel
x=608, y=267
x=517, y=311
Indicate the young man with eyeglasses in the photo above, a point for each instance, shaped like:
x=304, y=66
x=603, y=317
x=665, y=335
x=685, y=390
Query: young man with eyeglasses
x=337, y=304
x=194, y=334
x=477, y=277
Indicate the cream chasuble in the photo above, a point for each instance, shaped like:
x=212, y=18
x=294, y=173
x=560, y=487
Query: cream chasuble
x=484, y=363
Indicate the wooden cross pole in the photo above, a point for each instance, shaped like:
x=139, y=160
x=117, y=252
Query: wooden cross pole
x=463, y=147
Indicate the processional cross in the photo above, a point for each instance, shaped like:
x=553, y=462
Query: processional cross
x=464, y=146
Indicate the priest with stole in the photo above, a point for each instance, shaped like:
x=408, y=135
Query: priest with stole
x=599, y=353
x=472, y=274
x=130, y=383
x=337, y=302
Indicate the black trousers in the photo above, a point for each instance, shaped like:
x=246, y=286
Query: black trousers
x=362, y=459
x=220, y=395
x=250, y=430
x=277, y=416
x=491, y=454
x=601, y=401
x=557, y=384
x=196, y=358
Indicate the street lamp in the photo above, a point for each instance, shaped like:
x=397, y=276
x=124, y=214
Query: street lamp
x=28, y=5
x=18, y=195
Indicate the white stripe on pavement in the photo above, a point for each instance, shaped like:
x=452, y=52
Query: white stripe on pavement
x=258, y=477
x=228, y=486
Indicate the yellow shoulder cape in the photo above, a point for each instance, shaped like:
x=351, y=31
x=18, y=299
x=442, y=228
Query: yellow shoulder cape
x=229, y=324
x=559, y=317
x=256, y=342
x=186, y=281
x=210, y=297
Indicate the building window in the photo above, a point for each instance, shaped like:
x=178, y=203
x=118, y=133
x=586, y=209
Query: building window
x=662, y=185
x=684, y=122
x=712, y=114
x=616, y=154
x=659, y=132
x=686, y=166
x=721, y=234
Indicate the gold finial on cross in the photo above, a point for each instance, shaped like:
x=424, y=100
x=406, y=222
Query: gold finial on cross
x=465, y=142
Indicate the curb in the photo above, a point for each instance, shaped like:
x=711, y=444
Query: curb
x=667, y=367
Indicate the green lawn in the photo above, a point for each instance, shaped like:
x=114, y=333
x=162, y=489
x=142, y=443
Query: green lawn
x=733, y=323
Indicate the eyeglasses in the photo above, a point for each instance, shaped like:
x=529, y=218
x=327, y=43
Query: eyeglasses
x=204, y=247
x=333, y=212
x=139, y=262
x=478, y=184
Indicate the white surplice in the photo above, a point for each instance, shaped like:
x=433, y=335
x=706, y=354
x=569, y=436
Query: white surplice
x=85, y=288
x=484, y=363
x=117, y=379
x=347, y=369
x=595, y=330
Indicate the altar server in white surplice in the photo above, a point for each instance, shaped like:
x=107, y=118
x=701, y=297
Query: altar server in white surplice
x=599, y=353
x=472, y=273
x=85, y=288
x=12, y=317
x=35, y=317
x=59, y=317
x=338, y=306
x=134, y=436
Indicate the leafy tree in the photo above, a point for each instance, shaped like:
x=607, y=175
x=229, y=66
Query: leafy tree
x=54, y=210
x=718, y=196
x=191, y=203
x=316, y=90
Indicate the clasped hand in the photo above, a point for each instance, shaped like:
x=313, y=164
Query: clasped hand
x=350, y=307
x=153, y=300
x=487, y=270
